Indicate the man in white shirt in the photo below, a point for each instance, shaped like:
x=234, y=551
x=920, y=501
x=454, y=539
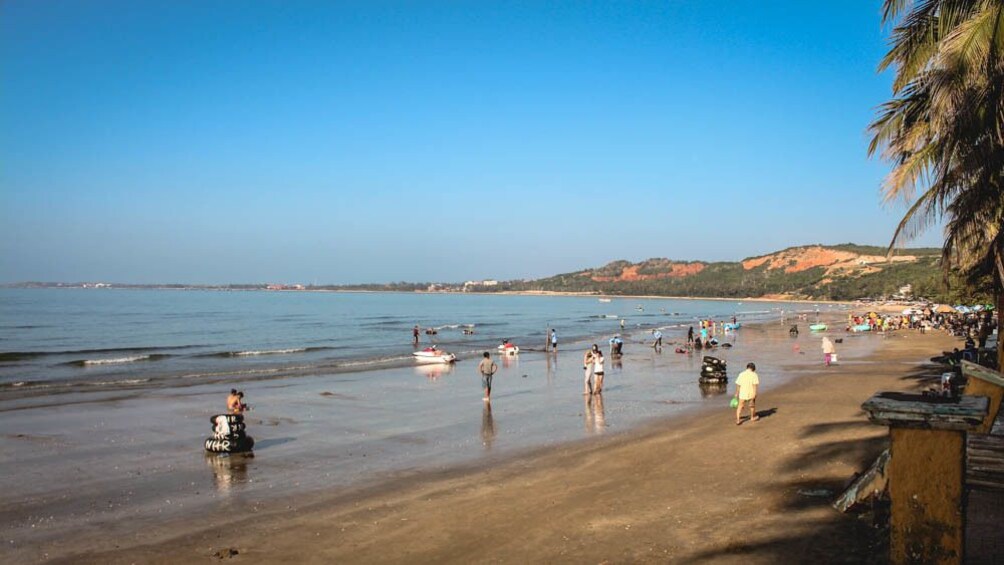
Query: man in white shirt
x=746, y=388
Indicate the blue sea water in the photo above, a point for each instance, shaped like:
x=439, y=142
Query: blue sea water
x=52, y=338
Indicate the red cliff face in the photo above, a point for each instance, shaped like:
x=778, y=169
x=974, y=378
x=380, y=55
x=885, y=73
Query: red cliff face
x=664, y=269
x=805, y=258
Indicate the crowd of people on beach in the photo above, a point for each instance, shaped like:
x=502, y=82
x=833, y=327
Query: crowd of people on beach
x=975, y=325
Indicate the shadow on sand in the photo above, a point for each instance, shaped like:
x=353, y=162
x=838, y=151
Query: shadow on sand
x=824, y=535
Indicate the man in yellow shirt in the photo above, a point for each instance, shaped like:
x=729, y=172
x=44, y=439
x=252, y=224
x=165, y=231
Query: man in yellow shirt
x=746, y=387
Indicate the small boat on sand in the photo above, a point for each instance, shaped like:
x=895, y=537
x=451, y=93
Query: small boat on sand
x=433, y=355
x=817, y=327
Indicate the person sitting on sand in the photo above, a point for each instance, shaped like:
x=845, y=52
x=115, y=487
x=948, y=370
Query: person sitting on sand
x=233, y=402
x=746, y=388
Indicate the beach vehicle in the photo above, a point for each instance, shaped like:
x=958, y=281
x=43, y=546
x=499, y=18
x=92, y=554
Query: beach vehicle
x=229, y=435
x=713, y=371
x=817, y=327
x=433, y=355
x=508, y=348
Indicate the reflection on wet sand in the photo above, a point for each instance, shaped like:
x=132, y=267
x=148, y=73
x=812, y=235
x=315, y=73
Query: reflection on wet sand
x=487, y=427
x=713, y=389
x=433, y=372
x=595, y=417
x=510, y=361
x=229, y=469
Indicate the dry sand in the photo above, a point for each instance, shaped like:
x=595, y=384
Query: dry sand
x=694, y=488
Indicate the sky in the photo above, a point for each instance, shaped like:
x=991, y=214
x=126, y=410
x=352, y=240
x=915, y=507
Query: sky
x=372, y=141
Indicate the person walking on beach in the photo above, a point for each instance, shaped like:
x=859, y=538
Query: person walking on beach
x=658, y=339
x=598, y=370
x=587, y=366
x=828, y=350
x=414, y=335
x=487, y=368
x=690, y=336
x=746, y=387
x=554, y=340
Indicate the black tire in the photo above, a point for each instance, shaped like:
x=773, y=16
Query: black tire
x=232, y=436
x=226, y=446
x=230, y=418
x=232, y=427
x=709, y=360
x=712, y=380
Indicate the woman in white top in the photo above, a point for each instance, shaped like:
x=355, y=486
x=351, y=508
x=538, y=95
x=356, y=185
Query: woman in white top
x=598, y=371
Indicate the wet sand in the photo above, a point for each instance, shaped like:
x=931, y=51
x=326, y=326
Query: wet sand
x=688, y=487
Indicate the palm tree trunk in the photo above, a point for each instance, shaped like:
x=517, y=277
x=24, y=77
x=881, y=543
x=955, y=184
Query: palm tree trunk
x=1000, y=329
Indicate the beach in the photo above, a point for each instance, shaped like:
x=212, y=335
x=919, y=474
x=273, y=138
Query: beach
x=656, y=471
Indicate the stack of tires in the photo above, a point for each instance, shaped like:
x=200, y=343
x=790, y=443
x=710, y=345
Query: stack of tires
x=229, y=435
x=713, y=371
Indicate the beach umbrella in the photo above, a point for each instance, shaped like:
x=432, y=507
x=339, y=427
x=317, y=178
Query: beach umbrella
x=944, y=309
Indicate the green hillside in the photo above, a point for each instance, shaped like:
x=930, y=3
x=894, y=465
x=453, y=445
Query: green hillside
x=854, y=272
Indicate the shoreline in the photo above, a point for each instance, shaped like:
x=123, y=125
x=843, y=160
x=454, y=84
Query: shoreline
x=771, y=298
x=292, y=366
x=593, y=499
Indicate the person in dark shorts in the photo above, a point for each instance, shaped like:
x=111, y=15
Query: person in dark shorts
x=487, y=368
x=414, y=335
x=554, y=341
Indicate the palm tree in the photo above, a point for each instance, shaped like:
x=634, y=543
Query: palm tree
x=943, y=130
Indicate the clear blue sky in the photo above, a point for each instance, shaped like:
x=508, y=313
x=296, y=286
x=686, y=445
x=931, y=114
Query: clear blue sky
x=371, y=141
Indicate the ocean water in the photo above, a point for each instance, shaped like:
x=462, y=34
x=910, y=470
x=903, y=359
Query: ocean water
x=71, y=338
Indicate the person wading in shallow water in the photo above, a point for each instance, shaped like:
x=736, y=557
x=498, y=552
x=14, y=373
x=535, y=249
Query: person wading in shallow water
x=414, y=335
x=598, y=370
x=587, y=366
x=487, y=367
x=746, y=388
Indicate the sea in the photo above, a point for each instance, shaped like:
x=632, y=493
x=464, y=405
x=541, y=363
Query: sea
x=84, y=338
